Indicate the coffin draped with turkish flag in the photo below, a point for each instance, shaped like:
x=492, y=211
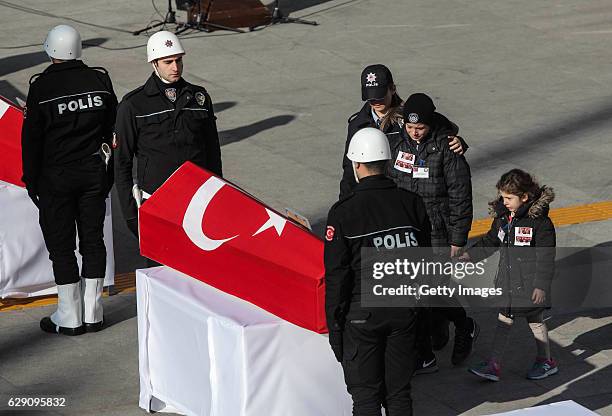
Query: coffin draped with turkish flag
x=11, y=120
x=213, y=231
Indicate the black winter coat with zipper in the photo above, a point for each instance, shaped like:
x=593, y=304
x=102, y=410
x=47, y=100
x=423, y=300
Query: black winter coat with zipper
x=527, y=252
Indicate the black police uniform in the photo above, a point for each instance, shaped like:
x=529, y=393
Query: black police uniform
x=361, y=119
x=164, y=126
x=70, y=112
x=374, y=345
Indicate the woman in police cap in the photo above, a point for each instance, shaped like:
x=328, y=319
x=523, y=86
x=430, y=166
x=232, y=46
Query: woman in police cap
x=382, y=110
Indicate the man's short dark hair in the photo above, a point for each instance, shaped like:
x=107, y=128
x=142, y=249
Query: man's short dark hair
x=377, y=167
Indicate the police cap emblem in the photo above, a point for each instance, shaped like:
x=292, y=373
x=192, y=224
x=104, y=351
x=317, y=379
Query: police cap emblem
x=413, y=118
x=200, y=98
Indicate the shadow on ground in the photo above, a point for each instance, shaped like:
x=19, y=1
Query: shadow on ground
x=23, y=61
x=244, y=132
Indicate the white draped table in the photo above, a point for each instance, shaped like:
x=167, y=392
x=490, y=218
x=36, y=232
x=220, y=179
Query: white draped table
x=207, y=353
x=25, y=268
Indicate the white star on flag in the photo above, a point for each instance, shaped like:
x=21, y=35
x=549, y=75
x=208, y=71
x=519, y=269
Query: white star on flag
x=371, y=77
x=275, y=221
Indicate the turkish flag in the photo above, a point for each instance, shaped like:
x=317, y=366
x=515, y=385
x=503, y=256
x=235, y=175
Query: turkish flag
x=11, y=120
x=213, y=231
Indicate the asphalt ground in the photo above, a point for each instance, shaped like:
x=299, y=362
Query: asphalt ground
x=525, y=81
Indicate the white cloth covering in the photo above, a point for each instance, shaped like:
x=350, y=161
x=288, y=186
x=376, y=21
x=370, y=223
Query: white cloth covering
x=25, y=268
x=207, y=353
x=565, y=408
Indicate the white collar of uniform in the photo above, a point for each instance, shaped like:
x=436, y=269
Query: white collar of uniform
x=375, y=116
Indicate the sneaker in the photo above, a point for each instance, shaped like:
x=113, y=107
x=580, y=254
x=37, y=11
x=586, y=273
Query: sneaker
x=464, y=342
x=426, y=366
x=439, y=335
x=542, y=368
x=488, y=369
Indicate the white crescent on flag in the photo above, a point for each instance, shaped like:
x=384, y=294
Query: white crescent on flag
x=196, y=210
x=192, y=222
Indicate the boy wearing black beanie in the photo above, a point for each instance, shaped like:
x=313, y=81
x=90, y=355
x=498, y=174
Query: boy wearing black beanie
x=422, y=162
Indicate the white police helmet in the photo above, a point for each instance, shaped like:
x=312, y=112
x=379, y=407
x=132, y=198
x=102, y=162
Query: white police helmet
x=63, y=42
x=368, y=145
x=163, y=44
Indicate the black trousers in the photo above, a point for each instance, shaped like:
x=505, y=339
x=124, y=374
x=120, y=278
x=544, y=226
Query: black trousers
x=378, y=361
x=449, y=309
x=72, y=199
x=431, y=320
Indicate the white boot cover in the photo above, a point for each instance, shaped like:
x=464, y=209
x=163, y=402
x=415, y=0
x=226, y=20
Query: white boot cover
x=92, y=300
x=69, y=306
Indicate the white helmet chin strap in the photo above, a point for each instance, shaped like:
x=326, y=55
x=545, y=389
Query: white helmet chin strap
x=157, y=73
x=355, y=172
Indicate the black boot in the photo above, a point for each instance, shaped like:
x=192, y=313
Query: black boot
x=47, y=325
x=98, y=326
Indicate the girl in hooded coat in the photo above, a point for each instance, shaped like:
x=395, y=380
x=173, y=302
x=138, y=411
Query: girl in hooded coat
x=525, y=237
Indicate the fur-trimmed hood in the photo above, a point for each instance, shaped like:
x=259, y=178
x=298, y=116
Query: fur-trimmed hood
x=536, y=208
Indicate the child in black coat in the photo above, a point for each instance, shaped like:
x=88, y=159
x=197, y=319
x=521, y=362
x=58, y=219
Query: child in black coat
x=525, y=237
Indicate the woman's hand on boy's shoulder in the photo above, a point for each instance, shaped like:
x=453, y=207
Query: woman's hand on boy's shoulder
x=456, y=145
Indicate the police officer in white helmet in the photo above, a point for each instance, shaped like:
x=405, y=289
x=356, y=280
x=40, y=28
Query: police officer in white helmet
x=162, y=124
x=376, y=346
x=67, y=170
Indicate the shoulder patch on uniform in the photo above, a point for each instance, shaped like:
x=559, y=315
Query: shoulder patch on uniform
x=200, y=98
x=329, y=233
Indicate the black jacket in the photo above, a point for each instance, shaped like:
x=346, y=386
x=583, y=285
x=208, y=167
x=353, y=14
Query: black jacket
x=162, y=136
x=376, y=208
x=447, y=192
x=527, y=256
x=70, y=112
x=363, y=118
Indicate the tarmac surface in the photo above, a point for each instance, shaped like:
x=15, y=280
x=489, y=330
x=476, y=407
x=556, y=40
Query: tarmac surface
x=526, y=82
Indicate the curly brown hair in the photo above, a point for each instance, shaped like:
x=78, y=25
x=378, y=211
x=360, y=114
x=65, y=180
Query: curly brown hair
x=518, y=182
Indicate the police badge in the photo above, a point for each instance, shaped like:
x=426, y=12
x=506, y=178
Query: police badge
x=171, y=94
x=200, y=98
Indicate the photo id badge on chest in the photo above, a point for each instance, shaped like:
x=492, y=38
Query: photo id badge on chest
x=404, y=162
x=523, y=236
x=420, y=172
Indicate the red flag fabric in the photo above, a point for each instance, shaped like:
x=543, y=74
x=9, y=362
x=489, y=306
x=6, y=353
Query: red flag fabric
x=11, y=120
x=209, y=229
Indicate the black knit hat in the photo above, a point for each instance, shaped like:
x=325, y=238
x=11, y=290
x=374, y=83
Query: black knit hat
x=375, y=81
x=419, y=108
